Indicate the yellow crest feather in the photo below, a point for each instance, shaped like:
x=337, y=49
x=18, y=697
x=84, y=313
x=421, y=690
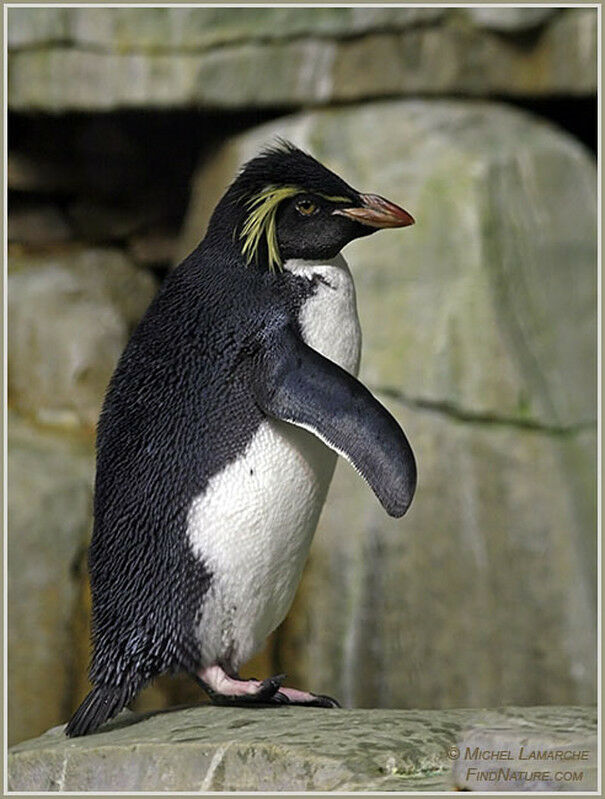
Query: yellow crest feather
x=261, y=222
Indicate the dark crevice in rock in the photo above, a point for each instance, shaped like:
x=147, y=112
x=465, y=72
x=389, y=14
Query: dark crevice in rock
x=483, y=418
x=577, y=115
x=119, y=178
x=160, y=271
x=115, y=154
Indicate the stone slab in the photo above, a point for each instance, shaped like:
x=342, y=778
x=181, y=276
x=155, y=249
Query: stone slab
x=287, y=749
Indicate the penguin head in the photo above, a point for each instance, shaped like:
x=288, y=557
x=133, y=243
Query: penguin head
x=284, y=204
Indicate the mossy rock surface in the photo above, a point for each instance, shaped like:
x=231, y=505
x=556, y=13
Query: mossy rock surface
x=230, y=58
x=284, y=749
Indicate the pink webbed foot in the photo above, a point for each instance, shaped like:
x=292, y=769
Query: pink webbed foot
x=295, y=697
x=224, y=689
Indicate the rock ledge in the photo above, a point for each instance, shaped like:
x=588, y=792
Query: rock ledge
x=226, y=749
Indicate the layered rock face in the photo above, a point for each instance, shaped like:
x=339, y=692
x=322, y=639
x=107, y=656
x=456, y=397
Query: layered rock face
x=479, y=325
x=234, y=58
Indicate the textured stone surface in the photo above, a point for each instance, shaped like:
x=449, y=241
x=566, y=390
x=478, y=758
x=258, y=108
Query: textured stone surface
x=565, y=761
x=479, y=334
x=171, y=29
x=286, y=749
x=49, y=507
x=222, y=58
x=69, y=318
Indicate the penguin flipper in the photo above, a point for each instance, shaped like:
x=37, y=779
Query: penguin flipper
x=298, y=385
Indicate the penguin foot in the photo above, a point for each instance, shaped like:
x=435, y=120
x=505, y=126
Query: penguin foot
x=292, y=696
x=229, y=689
x=225, y=690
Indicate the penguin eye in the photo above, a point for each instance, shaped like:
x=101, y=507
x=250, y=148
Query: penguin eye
x=306, y=207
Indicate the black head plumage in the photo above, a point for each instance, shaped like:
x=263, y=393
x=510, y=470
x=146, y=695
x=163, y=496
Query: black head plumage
x=282, y=163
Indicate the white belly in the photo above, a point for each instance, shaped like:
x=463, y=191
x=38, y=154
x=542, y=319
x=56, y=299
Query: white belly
x=254, y=523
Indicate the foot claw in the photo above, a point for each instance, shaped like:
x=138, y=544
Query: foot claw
x=322, y=700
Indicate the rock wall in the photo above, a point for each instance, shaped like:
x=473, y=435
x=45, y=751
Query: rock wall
x=226, y=58
x=125, y=125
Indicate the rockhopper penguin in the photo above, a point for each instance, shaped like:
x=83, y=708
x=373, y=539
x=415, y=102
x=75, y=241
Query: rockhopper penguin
x=219, y=434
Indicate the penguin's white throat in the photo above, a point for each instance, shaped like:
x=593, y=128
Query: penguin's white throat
x=328, y=319
x=308, y=268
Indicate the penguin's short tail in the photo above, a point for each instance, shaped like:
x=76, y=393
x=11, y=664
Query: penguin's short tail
x=101, y=704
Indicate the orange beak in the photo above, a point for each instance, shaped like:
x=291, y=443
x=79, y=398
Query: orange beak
x=377, y=212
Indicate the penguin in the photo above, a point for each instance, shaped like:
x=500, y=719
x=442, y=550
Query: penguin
x=219, y=435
